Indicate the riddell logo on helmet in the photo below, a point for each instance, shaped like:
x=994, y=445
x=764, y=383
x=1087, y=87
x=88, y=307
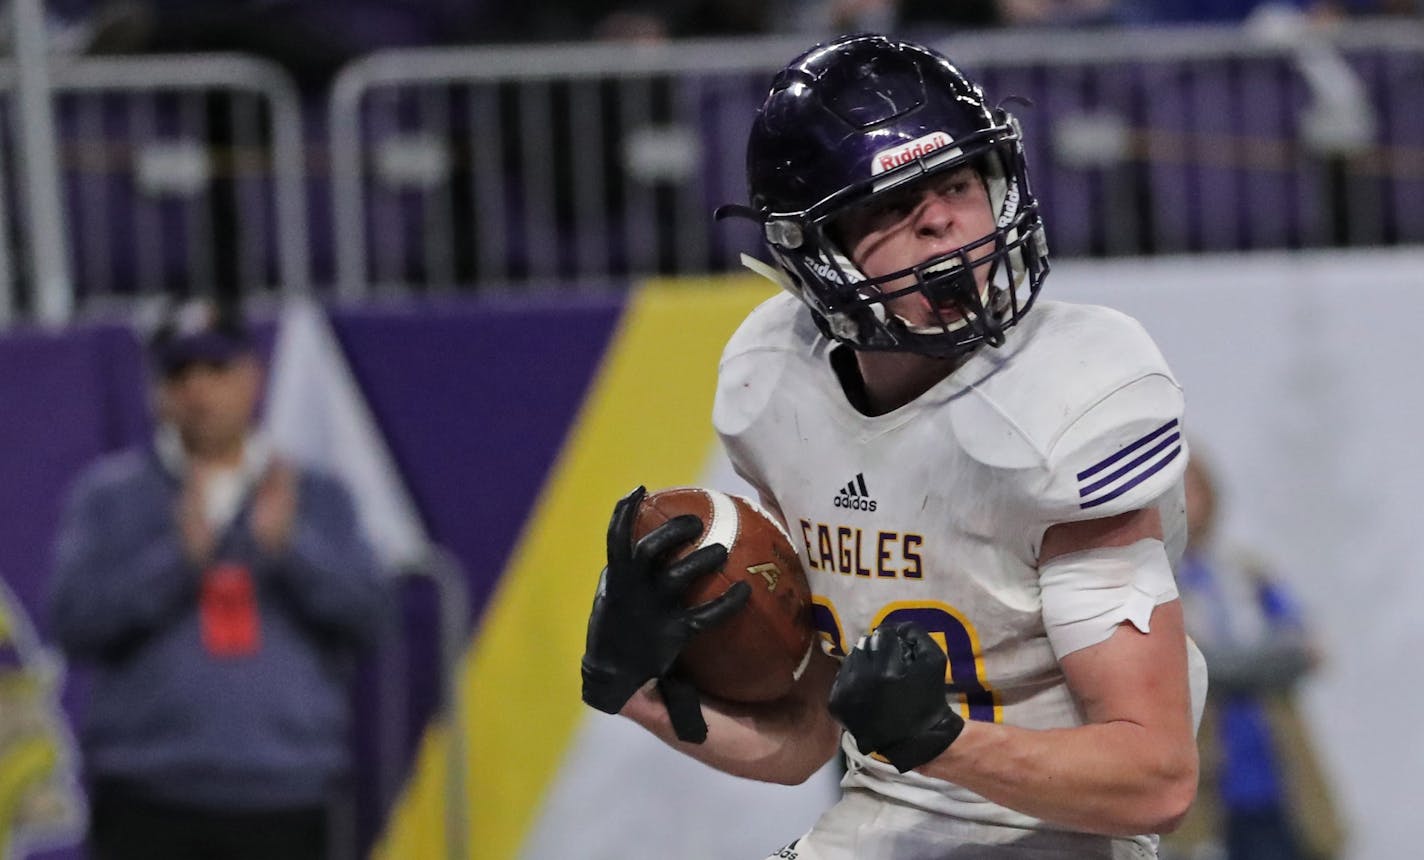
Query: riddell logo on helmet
x=832, y=273
x=905, y=153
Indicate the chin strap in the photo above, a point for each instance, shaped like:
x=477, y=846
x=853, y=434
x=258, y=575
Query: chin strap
x=771, y=273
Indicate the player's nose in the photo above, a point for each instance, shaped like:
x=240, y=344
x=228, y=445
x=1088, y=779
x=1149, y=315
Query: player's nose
x=934, y=217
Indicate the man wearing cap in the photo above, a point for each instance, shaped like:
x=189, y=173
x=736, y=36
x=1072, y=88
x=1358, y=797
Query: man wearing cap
x=220, y=594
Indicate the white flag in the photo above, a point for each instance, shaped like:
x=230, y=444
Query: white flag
x=317, y=416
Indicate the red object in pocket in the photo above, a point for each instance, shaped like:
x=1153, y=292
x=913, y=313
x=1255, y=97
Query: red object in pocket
x=228, y=608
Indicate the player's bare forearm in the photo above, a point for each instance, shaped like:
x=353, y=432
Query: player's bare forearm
x=1107, y=778
x=783, y=742
x=1132, y=769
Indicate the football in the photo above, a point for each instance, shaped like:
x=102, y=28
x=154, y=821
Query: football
x=759, y=653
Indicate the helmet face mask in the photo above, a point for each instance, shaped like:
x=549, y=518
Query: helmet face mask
x=866, y=120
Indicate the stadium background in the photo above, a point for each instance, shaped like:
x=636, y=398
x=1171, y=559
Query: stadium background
x=489, y=383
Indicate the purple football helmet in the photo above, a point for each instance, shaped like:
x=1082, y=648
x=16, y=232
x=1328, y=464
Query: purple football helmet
x=858, y=118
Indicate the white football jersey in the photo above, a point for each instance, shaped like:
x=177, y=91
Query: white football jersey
x=935, y=512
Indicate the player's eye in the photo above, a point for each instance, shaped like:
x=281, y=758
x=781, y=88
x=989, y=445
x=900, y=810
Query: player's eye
x=901, y=203
x=956, y=184
x=888, y=209
x=879, y=214
x=897, y=206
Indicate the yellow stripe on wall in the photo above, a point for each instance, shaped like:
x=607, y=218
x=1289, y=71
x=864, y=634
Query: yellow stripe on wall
x=647, y=419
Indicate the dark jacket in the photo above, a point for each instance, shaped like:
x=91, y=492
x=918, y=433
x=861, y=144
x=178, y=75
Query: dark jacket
x=268, y=729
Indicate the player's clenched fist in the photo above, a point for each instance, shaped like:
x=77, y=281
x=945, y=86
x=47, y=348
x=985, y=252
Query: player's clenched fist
x=889, y=694
x=639, y=625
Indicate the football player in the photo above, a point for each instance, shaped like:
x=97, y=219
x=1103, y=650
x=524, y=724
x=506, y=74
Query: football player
x=987, y=493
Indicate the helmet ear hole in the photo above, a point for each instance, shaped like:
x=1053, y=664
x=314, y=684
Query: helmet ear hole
x=990, y=165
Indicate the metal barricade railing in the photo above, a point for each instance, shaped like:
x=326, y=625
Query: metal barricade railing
x=534, y=160
x=591, y=163
x=180, y=173
x=448, y=581
x=526, y=165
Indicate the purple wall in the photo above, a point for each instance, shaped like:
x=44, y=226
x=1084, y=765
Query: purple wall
x=474, y=401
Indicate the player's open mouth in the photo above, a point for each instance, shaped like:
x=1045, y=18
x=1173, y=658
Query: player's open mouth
x=943, y=266
x=948, y=313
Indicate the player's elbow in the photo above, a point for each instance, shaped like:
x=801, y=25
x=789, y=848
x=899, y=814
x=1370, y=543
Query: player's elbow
x=1174, y=791
x=793, y=777
x=799, y=772
x=1177, y=807
x=1160, y=799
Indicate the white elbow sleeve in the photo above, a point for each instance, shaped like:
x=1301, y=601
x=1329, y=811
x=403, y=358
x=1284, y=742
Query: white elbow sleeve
x=1087, y=594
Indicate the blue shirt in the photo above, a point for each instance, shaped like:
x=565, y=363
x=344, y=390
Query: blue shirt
x=267, y=729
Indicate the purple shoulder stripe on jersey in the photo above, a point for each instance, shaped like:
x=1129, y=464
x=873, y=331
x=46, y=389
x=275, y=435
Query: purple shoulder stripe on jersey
x=1142, y=475
x=1089, y=489
x=1103, y=464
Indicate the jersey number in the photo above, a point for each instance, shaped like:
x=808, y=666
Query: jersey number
x=964, y=674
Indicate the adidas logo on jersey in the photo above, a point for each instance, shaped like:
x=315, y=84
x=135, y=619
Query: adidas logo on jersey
x=855, y=496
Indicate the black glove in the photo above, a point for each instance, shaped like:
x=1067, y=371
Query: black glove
x=638, y=625
x=889, y=694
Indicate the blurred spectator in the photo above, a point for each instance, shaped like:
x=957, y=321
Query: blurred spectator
x=631, y=25
x=930, y=17
x=883, y=16
x=920, y=15
x=1205, y=11
x=633, y=20
x=846, y=16
x=1262, y=795
x=713, y=18
x=311, y=39
x=1238, y=11
x=1060, y=13
x=221, y=595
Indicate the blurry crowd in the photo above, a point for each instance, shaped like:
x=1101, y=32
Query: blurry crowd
x=314, y=37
